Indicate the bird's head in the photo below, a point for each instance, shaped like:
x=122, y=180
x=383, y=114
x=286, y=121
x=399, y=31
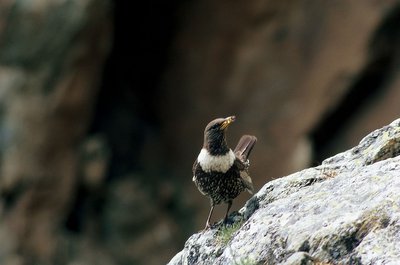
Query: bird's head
x=214, y=135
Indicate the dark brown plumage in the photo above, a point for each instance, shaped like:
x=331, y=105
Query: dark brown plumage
x=218, y=172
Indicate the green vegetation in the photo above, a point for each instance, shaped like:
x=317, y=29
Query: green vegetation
x=226, y=231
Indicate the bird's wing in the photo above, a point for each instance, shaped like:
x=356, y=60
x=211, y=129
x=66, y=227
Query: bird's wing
x=242, y=152
x=244, y=175
x=244, y=147
x=241, y=165
x=246, y=179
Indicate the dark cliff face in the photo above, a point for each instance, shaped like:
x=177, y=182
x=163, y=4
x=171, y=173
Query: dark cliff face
x=342, y=212
x=103, y=105
x=51, y=57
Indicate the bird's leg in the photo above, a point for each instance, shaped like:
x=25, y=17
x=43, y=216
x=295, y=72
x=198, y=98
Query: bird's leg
x=227, y=211
x=209, y=217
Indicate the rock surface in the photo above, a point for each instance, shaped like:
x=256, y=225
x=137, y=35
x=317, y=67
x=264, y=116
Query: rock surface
x=345, y=211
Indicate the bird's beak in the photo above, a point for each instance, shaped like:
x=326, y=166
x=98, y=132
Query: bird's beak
x=227, y=121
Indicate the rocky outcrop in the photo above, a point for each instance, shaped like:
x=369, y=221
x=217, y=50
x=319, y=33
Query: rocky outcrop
x=70, y=185
x=345, y=211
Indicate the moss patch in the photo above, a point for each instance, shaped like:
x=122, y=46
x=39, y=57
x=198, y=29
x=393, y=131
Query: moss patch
x=226, y=231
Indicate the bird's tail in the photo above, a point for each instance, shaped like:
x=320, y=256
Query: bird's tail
x=244, y=147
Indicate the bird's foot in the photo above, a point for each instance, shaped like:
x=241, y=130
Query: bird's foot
x=208, y=226
x=247, y=163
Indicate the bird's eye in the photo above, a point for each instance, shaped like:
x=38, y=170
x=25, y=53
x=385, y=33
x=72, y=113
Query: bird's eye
x=215, y=126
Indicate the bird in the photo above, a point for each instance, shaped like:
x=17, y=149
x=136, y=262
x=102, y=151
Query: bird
x=220, y=173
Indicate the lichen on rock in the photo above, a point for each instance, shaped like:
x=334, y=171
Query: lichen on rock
x=345, y=211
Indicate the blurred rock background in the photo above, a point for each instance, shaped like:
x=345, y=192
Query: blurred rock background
x=103, y=105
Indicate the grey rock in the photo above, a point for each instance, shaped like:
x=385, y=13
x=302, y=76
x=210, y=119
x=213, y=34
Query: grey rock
x=345, y=211
x=302, y=258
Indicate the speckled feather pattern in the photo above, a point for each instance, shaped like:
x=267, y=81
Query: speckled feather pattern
x=219, y=187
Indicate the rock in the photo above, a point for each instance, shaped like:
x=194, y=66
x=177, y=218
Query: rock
x=345, y=211
x=297, y=258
